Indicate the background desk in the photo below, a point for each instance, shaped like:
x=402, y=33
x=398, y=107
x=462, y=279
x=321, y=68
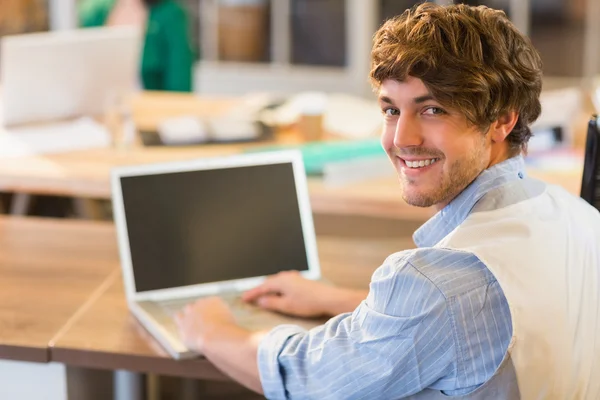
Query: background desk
x=86, y=174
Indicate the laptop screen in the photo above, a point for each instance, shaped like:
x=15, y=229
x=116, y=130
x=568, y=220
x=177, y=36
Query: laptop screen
x=213, y=225
x=590, y=185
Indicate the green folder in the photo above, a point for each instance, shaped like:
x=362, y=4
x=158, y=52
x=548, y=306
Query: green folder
x=316, y=154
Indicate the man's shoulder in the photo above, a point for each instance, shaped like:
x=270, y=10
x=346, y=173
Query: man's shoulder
x=453, y=272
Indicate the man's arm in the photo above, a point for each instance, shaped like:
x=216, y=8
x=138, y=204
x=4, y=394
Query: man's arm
x=208, y=327
x=234, y=351
x=396, y=343
x=290, y=293
x=343, y=300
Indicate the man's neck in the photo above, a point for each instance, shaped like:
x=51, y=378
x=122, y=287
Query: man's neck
x=500, y=153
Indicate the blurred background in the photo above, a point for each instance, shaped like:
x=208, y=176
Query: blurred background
x=288, y=45
x=89, y=85
x=264, y=72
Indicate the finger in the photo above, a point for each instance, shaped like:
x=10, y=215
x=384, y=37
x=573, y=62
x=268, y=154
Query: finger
x=179, y=319
x=273, y=303
x=270, y=286
x=215, y=301
x=187, y=309
x=254, y=293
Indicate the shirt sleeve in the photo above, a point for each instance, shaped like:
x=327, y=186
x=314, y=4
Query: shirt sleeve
x=398, y=342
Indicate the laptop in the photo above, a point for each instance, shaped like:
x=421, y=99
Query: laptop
x=590, y=185
x=211, y=227
x=53, y=76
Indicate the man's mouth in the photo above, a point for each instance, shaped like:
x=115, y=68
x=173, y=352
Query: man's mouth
x=415, y=164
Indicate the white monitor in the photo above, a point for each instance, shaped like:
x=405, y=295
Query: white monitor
x=57, y=75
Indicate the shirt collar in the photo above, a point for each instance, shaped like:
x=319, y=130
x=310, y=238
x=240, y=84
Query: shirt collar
x=451, y=216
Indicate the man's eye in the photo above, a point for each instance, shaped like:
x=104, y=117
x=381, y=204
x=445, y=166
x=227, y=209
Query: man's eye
x=389, y=112
x=434, y=111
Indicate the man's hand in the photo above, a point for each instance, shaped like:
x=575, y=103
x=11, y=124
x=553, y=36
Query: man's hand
x=207, y=326
x=202, y=318
x=289, y=293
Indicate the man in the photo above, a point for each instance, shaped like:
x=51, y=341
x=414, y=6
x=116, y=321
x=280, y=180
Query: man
x=501, y=300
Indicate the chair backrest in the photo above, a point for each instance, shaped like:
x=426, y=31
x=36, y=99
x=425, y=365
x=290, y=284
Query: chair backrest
x=590, y=185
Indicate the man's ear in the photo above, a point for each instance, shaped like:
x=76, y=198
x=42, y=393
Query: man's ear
x=504, y=125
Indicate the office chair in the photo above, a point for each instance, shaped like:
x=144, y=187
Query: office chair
x=590, y=185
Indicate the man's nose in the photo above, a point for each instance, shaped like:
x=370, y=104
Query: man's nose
x=408, y=132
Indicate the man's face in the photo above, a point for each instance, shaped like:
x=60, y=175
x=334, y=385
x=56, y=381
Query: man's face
x=435, y=151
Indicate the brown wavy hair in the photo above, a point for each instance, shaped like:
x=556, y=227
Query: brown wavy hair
x=471, y=59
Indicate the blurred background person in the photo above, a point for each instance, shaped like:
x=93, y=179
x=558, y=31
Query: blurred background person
x=167, y=58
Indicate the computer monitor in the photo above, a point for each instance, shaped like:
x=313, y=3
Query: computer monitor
x=52, y=76
x=590, y=185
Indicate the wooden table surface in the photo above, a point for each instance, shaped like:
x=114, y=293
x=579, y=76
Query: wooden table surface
x=48, y=270
x=149, y=108
x=87, y=174
x=107, y=336
x=62, y=298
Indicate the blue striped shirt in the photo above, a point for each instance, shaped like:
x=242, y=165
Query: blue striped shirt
x=434, y=318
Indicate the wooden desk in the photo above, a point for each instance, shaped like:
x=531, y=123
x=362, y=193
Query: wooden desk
x=107, y=336
x=48, y=270
x=150, y=108
x=87, y=174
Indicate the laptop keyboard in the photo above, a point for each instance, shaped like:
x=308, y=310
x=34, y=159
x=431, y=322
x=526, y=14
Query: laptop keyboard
x=246, y=315
x=240, y=308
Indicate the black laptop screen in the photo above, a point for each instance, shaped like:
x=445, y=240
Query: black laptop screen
x=205, y=226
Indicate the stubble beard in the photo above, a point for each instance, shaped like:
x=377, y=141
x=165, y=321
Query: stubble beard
x=460, y=174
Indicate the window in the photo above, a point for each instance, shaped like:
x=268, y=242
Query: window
x=318, y=32
x=391, y=8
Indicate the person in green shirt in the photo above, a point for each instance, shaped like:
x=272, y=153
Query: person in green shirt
x=167, y=56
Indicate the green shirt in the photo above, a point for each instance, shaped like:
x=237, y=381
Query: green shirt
x=167, y=55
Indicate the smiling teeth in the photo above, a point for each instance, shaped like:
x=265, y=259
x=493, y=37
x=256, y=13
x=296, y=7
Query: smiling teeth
x=420, y=164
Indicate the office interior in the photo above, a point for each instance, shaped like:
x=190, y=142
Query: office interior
x=265, y=74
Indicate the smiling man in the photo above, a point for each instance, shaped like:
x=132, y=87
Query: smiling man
x=436, y=151
x=501, y=299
